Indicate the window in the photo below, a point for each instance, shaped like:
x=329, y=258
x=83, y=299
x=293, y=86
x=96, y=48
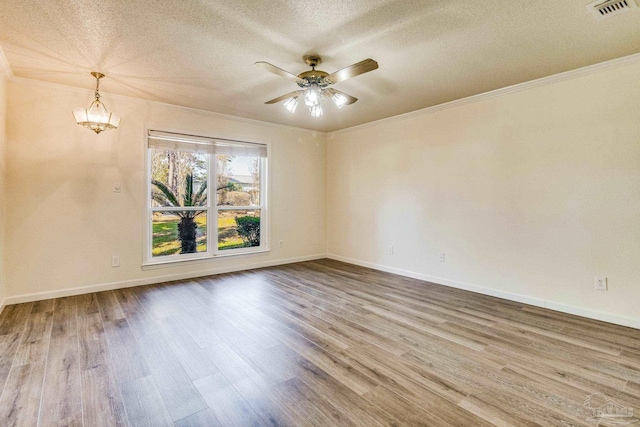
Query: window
x=206, y=197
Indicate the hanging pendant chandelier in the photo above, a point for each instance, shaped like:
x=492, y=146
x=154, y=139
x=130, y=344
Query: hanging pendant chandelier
x=96, y=117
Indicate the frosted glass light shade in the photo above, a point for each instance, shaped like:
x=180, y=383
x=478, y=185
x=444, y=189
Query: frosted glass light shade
x=316, y=110
x=291, y=104
x=339, y=99
x=312, y=96
x=96, y=117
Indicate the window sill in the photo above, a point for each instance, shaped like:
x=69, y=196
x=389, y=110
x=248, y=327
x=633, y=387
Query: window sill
x=153, y=265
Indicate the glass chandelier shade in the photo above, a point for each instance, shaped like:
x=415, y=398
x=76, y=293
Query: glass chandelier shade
x=96, y=117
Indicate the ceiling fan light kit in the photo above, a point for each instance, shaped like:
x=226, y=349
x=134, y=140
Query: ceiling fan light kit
x=96, y=117
x=314, y=84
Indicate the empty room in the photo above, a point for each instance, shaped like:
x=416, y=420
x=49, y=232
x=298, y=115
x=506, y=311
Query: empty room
x=305, y=213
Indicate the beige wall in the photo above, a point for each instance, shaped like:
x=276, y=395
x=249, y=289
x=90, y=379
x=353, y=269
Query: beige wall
x=64, y=222
x=3, y=292
x=529, y=194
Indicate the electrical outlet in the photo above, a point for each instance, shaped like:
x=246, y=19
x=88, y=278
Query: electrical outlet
x=281, y=243
x=390, y=250
x=601, y=283
x=115, y=261
x=441, y=257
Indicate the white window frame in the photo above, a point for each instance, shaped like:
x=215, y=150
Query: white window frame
x=211, y=208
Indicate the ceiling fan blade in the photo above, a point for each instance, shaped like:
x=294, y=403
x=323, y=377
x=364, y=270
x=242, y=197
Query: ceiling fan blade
x=350, y=99
x=277, y=71
x=353, y=70
x=283, y=97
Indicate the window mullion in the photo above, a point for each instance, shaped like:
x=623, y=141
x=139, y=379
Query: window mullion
x=149, y=215
x=177, y=209
x=239, y=208
x=263, y=202
x=212, y=212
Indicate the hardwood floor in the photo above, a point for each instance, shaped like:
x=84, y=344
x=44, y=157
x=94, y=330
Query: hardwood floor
x=311, y=344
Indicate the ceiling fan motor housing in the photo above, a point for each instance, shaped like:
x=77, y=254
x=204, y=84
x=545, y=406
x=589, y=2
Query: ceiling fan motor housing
x=313, y=76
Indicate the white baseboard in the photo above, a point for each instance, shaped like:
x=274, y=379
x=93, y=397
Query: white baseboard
x=37, y=296
x=538, y=302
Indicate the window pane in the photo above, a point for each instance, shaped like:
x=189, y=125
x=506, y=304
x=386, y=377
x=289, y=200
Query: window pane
x=178, y=178
x=238, y=229
x=238, y=181
x=180, y=232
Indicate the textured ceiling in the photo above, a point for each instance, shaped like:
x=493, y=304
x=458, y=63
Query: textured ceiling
x=200, y=53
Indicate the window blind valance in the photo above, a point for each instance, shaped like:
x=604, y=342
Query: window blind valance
x=201, y=144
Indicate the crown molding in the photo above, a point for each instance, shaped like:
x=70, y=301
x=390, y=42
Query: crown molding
x=5, y=68
x=543, y=81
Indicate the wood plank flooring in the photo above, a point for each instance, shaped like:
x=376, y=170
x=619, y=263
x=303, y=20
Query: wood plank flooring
x=318, y=343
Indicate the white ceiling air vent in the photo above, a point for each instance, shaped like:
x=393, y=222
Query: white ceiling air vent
x=604, y=9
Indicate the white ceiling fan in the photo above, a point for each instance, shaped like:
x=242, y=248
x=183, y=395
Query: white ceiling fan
x=315, y=84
